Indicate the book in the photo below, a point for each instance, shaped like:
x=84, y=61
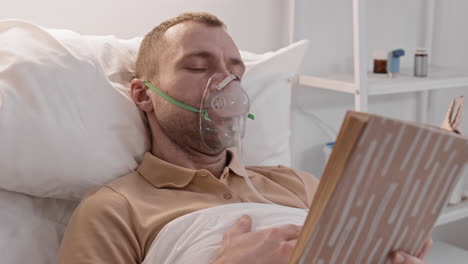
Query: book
x=383, y=188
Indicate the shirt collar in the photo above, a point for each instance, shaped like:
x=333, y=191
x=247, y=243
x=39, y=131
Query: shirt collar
x=161, y=173
x=235, y=165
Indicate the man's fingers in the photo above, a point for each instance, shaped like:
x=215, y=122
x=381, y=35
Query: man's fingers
x=289, y=232
x=286, y=248
x=282, y=233
x=241, y=226
x=403, y=258
x=426, y=247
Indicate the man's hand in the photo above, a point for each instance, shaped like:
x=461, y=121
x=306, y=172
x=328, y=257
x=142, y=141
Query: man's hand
x=272, y=246
x=275, y=245
x=403, y=258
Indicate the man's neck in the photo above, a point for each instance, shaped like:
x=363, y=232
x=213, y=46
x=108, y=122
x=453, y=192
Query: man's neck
x=166, y=149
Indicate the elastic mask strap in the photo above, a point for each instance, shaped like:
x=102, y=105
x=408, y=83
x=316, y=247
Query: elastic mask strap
x=204, y=113
x=178, y=103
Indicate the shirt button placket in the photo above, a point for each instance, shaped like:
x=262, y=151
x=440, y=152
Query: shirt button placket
x=227, y=196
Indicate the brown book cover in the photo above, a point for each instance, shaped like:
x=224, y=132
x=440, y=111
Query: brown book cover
x=383, y=188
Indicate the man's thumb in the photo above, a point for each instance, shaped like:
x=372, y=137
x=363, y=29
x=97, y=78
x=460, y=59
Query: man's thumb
x=403, y=258
x=241, y=226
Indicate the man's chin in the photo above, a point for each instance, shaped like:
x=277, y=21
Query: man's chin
x=213, y=150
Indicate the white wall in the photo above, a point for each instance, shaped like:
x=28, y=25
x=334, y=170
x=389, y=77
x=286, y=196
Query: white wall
x=390, y=24
x=255, y=25
x=261, y=25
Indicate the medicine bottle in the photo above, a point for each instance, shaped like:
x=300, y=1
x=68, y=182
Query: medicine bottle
x=421, y=63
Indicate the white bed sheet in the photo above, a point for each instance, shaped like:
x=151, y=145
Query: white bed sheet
x=196, y=237
x=31, y=228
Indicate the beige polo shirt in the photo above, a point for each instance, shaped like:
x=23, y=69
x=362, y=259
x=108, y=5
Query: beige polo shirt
x=118, y=222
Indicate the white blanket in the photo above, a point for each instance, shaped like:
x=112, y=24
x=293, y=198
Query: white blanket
x=196, y=237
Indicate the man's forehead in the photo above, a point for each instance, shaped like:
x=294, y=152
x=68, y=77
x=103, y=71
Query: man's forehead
x=189, y=37
x=183, y=30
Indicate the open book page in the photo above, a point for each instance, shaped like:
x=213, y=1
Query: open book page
x=395, y=179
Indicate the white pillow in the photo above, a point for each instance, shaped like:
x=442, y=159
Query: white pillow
x=68, y=123
x=266, y=81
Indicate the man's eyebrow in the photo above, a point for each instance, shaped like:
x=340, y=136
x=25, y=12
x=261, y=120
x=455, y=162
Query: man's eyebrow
x=207, y=55
x=200, y=54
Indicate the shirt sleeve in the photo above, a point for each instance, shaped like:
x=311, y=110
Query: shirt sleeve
x=310, y=182
x=302, y=184
x=100, y=232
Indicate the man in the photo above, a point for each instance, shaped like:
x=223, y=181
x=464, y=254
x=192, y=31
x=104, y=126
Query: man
x=118, y=222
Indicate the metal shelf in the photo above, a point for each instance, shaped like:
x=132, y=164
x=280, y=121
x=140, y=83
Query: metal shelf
x=359, y=83
x=337, y=83
x=453, y=213
x=380, y=84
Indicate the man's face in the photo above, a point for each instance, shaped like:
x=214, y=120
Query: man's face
x=192, y=53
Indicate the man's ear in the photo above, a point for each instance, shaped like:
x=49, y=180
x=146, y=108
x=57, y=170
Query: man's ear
x=138, y=91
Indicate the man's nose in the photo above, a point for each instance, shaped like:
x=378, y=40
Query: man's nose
x=223, y=66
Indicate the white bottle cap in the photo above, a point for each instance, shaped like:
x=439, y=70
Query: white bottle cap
x=422, y=51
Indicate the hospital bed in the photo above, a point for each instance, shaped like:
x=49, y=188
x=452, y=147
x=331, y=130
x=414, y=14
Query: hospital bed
x=67, y=125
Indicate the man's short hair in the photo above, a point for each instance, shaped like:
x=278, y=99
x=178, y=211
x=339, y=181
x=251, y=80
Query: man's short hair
x=150, y=48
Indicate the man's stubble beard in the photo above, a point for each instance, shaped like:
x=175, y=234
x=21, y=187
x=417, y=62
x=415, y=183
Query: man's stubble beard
x=184, y=130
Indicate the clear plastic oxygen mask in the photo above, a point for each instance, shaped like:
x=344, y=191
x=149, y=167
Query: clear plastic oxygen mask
x=226, y=104
x=223, y=110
